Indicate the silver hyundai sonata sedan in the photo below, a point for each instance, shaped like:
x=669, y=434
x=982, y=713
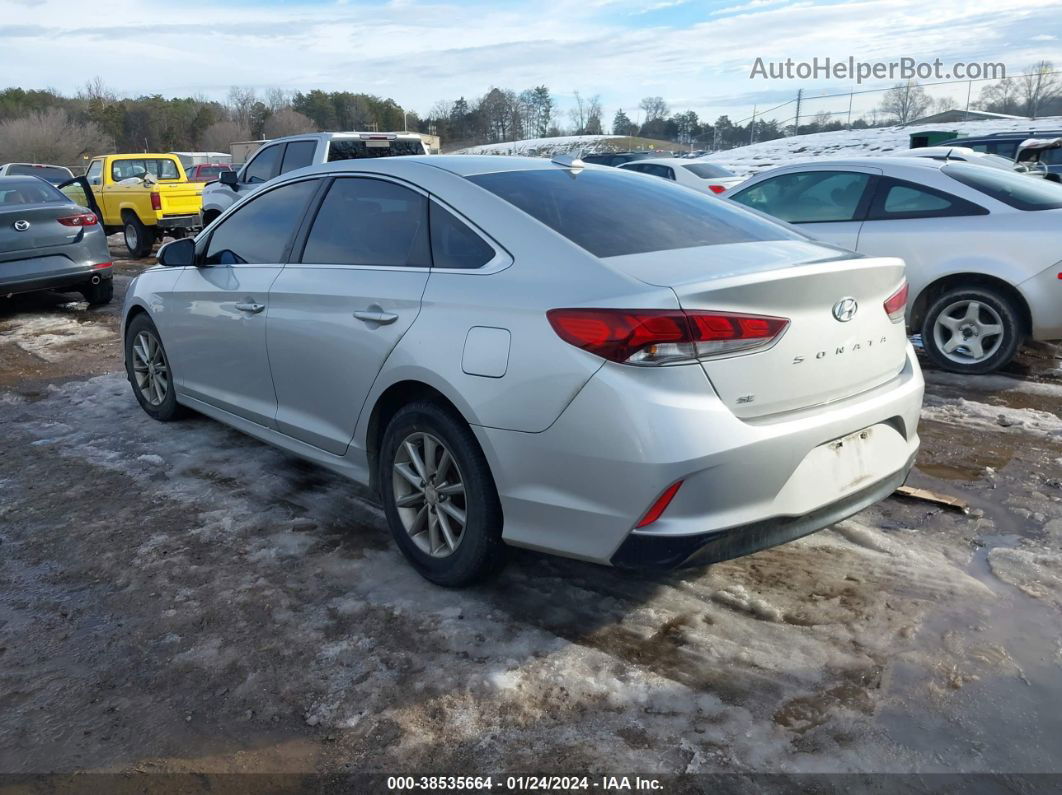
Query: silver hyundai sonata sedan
x=513, y=351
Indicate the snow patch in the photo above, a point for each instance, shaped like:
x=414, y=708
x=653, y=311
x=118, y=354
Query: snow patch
x=45, y=336
x=546, y=147
x=973, y=414
x=1036, y=573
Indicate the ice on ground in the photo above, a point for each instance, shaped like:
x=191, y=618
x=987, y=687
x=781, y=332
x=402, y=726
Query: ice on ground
x=1034, y=572
x=973, y=414
x=749, y=160
x=45, y=336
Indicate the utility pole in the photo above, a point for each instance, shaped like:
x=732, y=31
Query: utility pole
x=796, y=124
x=752, y=126
x=969, y=88
x=850, y=95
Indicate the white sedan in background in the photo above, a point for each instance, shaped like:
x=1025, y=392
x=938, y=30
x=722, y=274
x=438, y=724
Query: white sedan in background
x=962, y=154
x=983, y=246
x=707, y=177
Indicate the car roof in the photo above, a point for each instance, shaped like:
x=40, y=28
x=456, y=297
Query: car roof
x=871, y=162
x=663, y=161
x=332, y=136
x=459, y=165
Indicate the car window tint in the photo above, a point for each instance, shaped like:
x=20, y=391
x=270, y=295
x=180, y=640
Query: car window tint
x=369, y=222
x=299, y=154
x=1017, y=190
x=29, y=191
x=808, y=196
x=54, y=174
x=708, y=170
x=454, y=244
x=610, y=213
x=353, y=149
x=264, y=165
x=909, y=199
x=94, y=171
x=259, y=231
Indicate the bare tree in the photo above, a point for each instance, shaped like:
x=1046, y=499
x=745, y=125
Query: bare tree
x=905, y=101
x=578, y=114
x=1038, y=85
x=241, y=104
x=654, y=108
x=50, y=136
x=277, y=99
x=1001, y=97
x=287, y=122
x=219, y=136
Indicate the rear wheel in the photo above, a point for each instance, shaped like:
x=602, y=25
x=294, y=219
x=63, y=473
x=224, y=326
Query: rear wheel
x=99, y=294
x=972, y=330
x=138, y=238
x=148, y=369
x=439, y=496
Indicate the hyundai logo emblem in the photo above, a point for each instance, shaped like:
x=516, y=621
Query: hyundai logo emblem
x=845, y=309
x=21, y=226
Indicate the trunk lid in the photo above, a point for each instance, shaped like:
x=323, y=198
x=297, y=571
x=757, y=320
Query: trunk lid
x=819, y=359
x=44, y=229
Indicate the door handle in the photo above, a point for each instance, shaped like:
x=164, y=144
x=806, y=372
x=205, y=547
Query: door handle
x=376, y=316
x=250, y=308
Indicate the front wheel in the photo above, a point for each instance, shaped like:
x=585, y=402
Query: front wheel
x=149, y=372
x=972, y=330
x=439, y=496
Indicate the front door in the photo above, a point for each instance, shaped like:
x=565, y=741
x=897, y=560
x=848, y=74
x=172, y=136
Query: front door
x=217, y=311
x=338, y=309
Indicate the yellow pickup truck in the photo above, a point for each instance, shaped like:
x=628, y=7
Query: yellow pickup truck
x=144, y=196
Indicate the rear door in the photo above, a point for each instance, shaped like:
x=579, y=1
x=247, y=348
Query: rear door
x=338, y=309
x=828, y=204
x=215, y=315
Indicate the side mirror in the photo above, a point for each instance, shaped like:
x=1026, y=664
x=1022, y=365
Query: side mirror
x=178, y=253
x=228, y=178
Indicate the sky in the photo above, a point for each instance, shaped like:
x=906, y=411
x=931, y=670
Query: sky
x=697, y=54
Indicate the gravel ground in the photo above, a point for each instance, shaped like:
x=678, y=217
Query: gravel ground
x=181, y=598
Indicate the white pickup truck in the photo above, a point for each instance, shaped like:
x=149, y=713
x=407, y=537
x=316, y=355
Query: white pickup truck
x=282, y=155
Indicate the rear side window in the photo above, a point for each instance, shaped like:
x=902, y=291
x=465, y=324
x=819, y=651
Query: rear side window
x=298, y=154
x=808, y=196
x=454, y=244
x=708, y=170
x=1017, y=190
x=897, y=199
x=369, y=222
x=264, y=166
x=610, y=213
x=259, y=232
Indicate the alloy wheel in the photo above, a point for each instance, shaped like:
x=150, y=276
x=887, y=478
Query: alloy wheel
x=150, y=368
x=429, y=494
x=132, y=239
x=968, y=331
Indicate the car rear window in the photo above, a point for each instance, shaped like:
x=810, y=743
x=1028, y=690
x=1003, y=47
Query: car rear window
x=610, y=213
x=355, y=149
x=1017, y=190
x=708, y=170
x=29, y=191
x=53, y=174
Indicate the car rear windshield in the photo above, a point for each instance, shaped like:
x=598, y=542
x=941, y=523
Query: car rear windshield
x=29, y=191
x=708, y=170
x=611, y=213
x=1017, y=190
x=354, y=149
x=54, y=174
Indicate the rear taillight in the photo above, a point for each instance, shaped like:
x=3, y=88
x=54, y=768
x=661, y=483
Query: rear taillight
x=716, y=188
x=896, y=304
x=156, y=201
x=664, y=336
x=102, y=266
x=81, y=219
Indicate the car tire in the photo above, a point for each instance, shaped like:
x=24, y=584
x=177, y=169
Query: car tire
x=144, y=353
x=138, y=238
x=425, y=519
x=972, y=330
x=100, y=293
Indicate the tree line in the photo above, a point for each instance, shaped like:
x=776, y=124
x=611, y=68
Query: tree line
x=42, y=125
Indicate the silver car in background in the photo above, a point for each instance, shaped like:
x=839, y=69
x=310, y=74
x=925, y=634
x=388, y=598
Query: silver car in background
x=49, y=242
x=515, y=351
x=983, y=246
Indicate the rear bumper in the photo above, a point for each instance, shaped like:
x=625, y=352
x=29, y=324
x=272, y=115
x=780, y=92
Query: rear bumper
x=579, y=488
x=648, y=551
x=179, y=222
x=32, y=278
x=1043, y=292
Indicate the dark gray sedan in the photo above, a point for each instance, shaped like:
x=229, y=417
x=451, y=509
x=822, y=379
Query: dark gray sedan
x=49, y=241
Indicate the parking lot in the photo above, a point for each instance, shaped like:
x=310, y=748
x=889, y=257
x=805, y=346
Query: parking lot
x=184, y=598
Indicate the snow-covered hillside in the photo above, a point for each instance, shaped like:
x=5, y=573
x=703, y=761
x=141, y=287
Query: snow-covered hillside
x=544, y=147
x=748, y=160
